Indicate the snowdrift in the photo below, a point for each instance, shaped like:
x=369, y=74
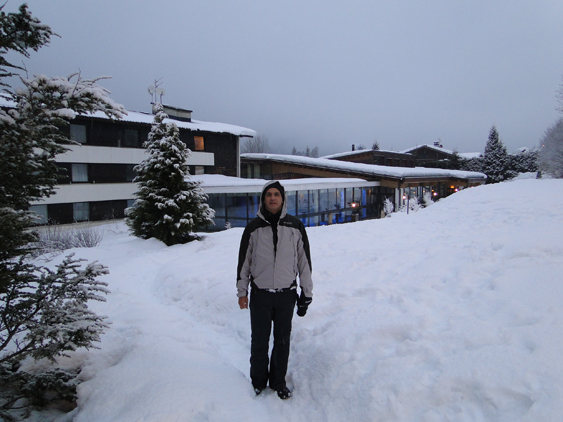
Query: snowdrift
x=452, y=313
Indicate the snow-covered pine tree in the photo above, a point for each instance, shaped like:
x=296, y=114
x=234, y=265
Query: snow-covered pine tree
x=455, y=161
x=550, y=158
x=524, y=161
x=169, y=206
x=472, y=164
x=496, y=164
x=20, y=32
x=42, y=314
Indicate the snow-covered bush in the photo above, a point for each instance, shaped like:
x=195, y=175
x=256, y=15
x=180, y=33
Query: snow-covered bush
x=414, y=205
x=411, y=204
x=427, y=199
x=388, y=207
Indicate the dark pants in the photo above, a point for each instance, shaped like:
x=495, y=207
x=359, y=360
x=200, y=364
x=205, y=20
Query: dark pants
x=266, y=307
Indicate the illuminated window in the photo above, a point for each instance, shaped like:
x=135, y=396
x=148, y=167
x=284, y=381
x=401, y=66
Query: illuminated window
x=199, y=145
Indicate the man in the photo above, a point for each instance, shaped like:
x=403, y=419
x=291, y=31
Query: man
x=274, y=250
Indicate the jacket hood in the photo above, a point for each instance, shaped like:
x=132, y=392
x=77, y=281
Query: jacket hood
x=267, y=186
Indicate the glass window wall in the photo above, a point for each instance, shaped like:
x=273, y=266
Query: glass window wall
x=313, y=207
x=291, y=198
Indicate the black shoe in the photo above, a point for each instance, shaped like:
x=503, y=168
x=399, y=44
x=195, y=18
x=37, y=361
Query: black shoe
x=258, y=390
x=284, y=393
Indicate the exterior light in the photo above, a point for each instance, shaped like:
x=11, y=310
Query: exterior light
x=435, y=194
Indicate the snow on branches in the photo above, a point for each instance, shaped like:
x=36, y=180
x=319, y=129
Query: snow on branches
x=31, y=135
x=169, y=205
x=550, y=158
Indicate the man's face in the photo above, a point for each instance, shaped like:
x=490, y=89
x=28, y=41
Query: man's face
x=273, y=200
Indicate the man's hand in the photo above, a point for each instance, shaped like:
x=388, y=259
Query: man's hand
x=303, y=304
x=243, y=302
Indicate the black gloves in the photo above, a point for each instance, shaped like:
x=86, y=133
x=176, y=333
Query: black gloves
x=303, y=304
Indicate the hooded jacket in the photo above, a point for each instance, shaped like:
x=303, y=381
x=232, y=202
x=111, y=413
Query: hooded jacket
x=272, y=267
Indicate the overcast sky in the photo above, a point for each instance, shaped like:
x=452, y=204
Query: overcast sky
x=324, y=73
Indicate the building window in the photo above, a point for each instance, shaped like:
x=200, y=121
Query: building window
x=199, y=144
x=81, y=211
x=79, y=173
x=41, y=211
x=132, y=138
x=199, y=170
x=130, y=173
x=78, y=133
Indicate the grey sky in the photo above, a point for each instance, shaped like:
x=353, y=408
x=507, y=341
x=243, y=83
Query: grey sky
x=324, y=73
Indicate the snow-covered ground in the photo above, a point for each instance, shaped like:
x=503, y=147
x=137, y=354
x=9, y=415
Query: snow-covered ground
x=453, y=313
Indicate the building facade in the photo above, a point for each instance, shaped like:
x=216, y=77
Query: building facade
x=97, y=172
x=398, y=184
x=315, y=201
x=376, y=157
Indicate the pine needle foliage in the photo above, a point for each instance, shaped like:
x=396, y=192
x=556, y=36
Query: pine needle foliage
x=169, y=206
x=496, y=162
x=43, y=312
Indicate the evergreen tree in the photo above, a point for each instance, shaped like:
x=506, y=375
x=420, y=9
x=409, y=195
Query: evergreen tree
x=496, y=163
x=454, y=162
x=524, y=161
x=550, y=158
x=20, y=32
x=472, y=164
x=168, y=206
x=43, y=314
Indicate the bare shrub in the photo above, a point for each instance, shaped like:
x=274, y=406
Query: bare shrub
x=53, y=240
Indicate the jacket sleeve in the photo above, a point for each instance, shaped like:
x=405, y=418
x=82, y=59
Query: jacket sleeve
x=304, y=264
x=244, y=261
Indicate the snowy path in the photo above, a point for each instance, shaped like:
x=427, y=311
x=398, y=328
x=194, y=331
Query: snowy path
x=449, y=314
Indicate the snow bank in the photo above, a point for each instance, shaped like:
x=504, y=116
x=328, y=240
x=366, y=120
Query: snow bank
x=449, y=314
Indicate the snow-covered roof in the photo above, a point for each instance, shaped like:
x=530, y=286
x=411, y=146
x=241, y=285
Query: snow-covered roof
x=140, y=117
x=217, y=183
x=469, y=155
x=444, y=150
x=350, y=153
x=368, y=169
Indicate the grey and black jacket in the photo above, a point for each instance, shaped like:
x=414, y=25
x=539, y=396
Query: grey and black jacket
x=270, y=267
